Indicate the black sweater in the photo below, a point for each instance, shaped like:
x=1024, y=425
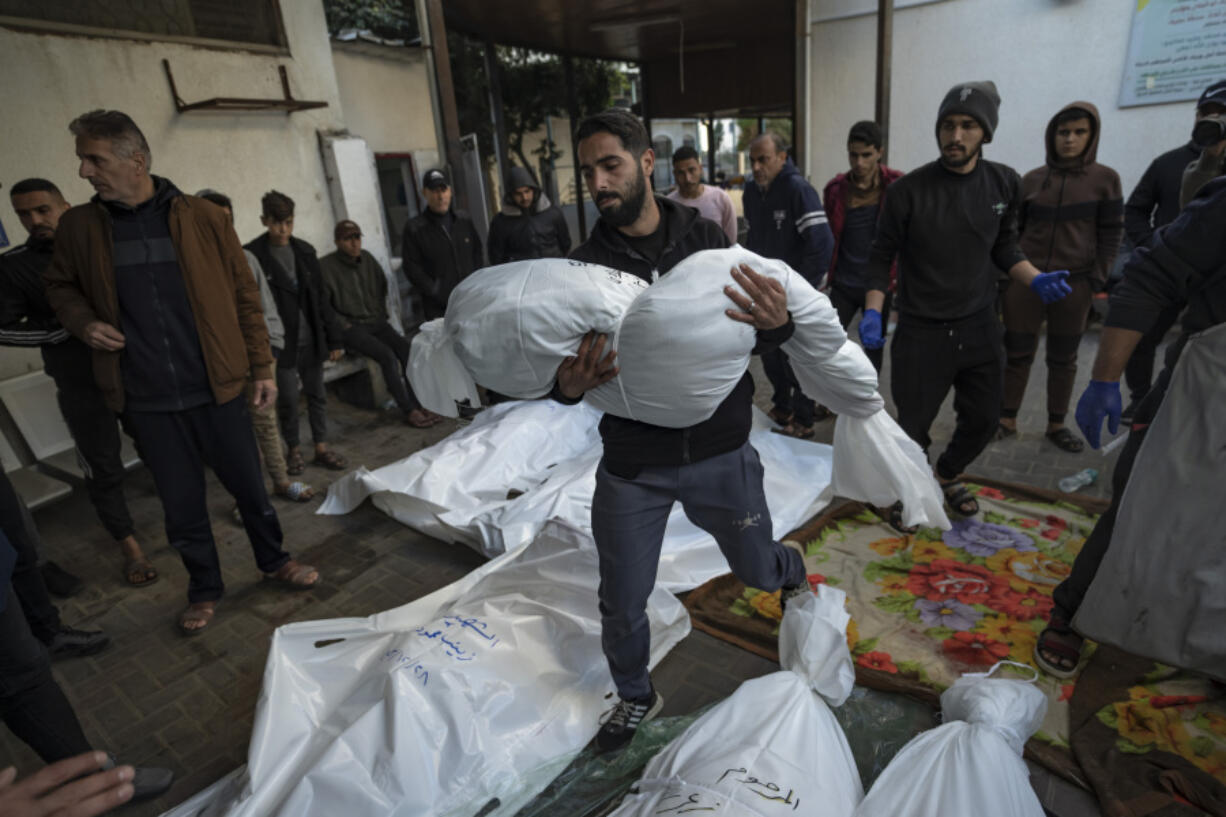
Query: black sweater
x=952, y=234
x=1185, y=260
x=629, y=444
x=1155, y=201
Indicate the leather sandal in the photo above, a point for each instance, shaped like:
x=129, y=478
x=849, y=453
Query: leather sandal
x=197, y=613
x=1065, y=440
x=294, y=576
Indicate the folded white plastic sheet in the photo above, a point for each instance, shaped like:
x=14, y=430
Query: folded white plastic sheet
x=456, y=490
x=972, y=764
x=481, y=691
x=773, y=747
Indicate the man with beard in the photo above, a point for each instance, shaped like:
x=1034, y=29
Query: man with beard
x=27, y=319
x=951, y=223
x=710, y=467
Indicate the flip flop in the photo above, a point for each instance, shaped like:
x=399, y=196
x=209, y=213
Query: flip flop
x=142, y=566
x=196, y=613
x=293, y=576
x=1065, y=440
x=795, y=431
x=330, y=460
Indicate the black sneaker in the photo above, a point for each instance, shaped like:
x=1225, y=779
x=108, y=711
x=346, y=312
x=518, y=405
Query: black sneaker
x=70, y=643
x=147, y=782
x=623, y=720
x=59, y=581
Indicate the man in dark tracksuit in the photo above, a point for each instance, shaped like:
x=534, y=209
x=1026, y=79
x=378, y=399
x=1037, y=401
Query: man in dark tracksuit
x=26, y=319
x=1184, y=262
x=1154, y=203
x=786, y=221
x=440, y=247
x=529, y=225
x=710, y=467
x=155, y=282
x=951, y=223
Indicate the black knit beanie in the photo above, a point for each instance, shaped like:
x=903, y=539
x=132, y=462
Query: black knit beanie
x=975, y=99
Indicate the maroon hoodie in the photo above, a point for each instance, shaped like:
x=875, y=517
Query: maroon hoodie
x=1072, y=214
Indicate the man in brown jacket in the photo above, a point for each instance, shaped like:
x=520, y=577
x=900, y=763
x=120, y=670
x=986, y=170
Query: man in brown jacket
x=156, y=283
x=1072, y=218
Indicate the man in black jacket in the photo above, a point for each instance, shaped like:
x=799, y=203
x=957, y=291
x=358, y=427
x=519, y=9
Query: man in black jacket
x=1154, y=203
x=529, y=226
x=313, y=331
x=710, y=467
x=27, y=319
x=441, y=247
x=952, y=224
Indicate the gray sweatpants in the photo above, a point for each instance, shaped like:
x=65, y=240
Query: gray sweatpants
x=722, y=495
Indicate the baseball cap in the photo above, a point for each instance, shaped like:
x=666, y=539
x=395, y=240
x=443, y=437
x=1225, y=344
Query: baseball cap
x=346, y=228
x=1214, y=93
x=435, y=179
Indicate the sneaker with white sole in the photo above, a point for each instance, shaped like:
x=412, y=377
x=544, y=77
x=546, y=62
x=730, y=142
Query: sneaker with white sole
x=621, y=722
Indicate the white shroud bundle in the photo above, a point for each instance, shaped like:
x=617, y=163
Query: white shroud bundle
x=509, y=327
x=773, y=747
x=972, y=764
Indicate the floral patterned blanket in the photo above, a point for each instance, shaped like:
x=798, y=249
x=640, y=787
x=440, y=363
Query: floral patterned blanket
x=929, y=607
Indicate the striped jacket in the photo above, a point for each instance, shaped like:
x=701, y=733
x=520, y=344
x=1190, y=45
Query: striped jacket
x=786, y=221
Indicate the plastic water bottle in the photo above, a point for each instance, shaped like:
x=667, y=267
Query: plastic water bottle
x=1079, y=480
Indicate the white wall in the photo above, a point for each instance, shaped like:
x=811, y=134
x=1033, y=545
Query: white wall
x=387, y=96
x=50, y=79
x=1041, y=54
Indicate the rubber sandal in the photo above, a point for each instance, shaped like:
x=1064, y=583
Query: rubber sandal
x=795, y=431
x=1003, y=432
x=330, y=460
x=958, y=496
x=294, y=464
x=194, y=613
x=142, y=566
x=894, y=518
x=780, y=416
x=1065, y=440
x=296, y=492
x=1059, y=638
x=293, y=576
x=418, y=418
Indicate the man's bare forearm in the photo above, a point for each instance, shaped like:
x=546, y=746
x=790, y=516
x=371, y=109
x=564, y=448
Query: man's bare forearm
x=1114, y=348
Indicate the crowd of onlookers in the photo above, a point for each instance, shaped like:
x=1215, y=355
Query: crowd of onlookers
x=151, y=316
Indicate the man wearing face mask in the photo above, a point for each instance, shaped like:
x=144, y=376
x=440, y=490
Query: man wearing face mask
x=951, y=224
x=529, y=225
x=441, y=246
x=1072, y=218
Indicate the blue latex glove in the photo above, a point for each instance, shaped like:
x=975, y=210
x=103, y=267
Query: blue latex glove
x=1100, y=399
x=870, y=330
x=1051, y=286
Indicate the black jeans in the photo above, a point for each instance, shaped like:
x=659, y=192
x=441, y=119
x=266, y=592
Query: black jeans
x=95, y=431
x=848, y=304
x=317, y=400
x=31, y=702
x=390, y=349
x=926, y=360
x=787, y=394
x=28, y=586
x=1069, y=594
x=177, y=445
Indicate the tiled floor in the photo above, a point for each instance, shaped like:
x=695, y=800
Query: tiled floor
x=156, y=697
